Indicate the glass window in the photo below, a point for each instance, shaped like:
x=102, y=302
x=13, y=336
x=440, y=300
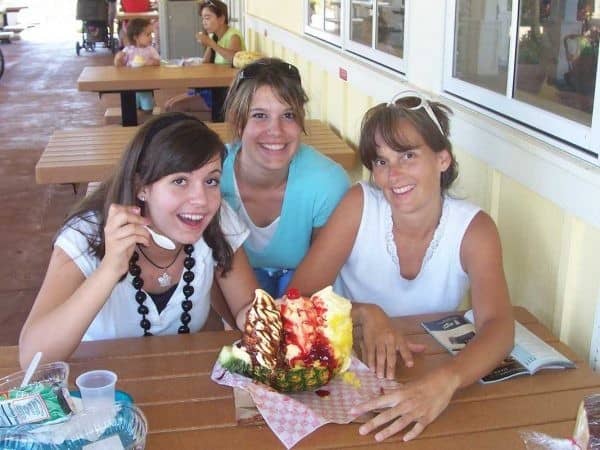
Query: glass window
x=373, y=29
x=482, y=43
x=557, y=55
x=390, y=27
x=361, y=22
x=532, y=60
x=324, y=15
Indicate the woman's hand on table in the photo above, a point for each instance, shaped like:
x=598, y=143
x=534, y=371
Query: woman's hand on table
x=381, y=341
x=420, y=401
x=123, y=230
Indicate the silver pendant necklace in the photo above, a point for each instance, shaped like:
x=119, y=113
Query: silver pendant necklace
x=164, y=279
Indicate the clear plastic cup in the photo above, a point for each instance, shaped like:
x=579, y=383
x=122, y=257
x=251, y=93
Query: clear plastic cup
x=97, y=388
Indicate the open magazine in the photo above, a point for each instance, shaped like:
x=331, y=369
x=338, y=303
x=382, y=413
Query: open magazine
x=529, y=354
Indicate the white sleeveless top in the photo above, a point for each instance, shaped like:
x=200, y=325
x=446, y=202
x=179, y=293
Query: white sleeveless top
x=372, y=272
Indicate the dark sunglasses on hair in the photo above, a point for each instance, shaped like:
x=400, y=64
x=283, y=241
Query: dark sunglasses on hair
x=254, y=69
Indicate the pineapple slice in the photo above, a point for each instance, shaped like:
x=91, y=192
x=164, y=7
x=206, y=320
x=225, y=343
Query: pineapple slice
x=296, y=346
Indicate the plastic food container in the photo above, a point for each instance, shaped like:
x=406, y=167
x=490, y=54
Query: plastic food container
x=175, y=62
x=124, y=426
x=56, y=372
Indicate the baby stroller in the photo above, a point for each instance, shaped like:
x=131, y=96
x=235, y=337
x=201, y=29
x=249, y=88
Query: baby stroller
x=94, y=29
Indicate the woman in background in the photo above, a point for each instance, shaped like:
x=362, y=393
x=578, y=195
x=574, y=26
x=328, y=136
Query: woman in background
x=221, y=42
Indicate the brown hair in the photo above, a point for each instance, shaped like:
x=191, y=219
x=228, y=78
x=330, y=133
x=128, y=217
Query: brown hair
x=135, y=27
x=387, y=120
x=279, y=75
x=217, y=7
x=166, y=144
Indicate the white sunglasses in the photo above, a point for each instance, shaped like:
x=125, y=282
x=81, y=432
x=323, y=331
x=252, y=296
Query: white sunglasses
x=422, y=102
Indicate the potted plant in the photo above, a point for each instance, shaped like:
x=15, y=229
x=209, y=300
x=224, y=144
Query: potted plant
x=530, y=72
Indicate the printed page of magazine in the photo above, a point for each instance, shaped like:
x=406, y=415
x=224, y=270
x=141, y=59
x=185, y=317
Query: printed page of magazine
x=528, y=356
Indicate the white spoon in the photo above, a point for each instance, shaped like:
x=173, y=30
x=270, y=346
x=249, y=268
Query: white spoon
x=31, y=368
x=161, y=241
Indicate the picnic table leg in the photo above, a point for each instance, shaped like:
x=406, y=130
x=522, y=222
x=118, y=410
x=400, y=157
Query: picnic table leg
x=218, y=100
x=128, y=109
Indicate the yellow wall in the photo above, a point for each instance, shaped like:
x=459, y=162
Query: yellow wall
x=550, y=257
x=266, y=10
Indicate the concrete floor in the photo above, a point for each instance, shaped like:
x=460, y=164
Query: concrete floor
x=38, y=94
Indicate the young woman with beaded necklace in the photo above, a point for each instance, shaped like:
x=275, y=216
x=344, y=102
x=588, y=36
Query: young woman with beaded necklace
x=108, y=279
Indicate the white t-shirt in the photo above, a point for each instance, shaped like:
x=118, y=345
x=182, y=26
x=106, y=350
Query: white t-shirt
x=372, y=272
x=119, y=318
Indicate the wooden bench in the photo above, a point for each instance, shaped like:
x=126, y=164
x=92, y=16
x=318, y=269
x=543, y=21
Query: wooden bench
x=14, y=28
x=91, y=187
x=6, y=36
x=90, y=154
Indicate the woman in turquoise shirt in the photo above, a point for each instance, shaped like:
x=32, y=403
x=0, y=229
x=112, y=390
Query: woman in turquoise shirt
x=282, y=189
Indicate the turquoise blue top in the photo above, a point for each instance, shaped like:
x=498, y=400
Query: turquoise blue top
x=315, y=186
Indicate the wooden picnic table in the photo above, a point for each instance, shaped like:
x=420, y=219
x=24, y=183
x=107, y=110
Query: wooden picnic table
x=169, y=379
x=90, y=154
x=127, y=80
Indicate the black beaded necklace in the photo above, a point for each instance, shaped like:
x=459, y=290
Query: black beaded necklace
x=188, y=290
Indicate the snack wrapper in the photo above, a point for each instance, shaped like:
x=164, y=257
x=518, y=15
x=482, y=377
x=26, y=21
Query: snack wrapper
x=35, y=403
x=586, y=434
x=293, y=416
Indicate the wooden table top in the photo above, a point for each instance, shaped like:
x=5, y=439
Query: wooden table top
x=169, y=379
x=90, y=154
x=117, y=79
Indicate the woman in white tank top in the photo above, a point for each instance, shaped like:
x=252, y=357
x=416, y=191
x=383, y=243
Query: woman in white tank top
x=401, y=245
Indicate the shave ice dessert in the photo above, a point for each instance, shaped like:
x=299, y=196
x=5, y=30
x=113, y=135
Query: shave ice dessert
x=299, y=344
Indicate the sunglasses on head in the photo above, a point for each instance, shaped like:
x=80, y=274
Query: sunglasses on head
x=254, y=69
x=411, y=101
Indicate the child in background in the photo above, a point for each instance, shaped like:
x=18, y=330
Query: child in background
x=139, y=52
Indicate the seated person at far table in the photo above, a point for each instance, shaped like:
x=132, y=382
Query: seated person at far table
x=138, y=53
x=282, y=189
x=426, y=247
x=222, y=42
x=107, y=278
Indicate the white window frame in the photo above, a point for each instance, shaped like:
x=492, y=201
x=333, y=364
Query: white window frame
x=370, y=52
x=322, y=34
x=236, y=13
x=363, y=51
x=578, y=139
